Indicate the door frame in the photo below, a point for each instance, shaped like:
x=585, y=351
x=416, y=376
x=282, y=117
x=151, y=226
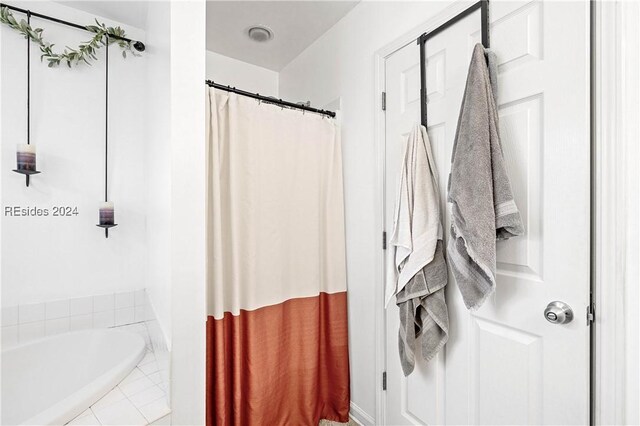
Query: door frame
x=616, y=157
x=614, y=354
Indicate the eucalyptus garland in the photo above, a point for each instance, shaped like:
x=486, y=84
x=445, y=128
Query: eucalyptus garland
x=85, y=52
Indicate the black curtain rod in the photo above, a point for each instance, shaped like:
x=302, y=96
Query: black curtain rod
x=269, y=100
x=138, y=45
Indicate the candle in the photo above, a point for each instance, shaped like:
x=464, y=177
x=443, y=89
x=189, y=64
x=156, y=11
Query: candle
x=26, y=155
x=106, y=213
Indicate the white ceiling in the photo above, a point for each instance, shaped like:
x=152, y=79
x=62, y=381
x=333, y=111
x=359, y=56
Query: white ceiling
x=295, y=25
x=128, y=12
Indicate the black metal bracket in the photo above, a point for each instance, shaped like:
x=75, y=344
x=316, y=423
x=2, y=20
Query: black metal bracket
x=27, y=173
x=106, y=229
x=483, y=5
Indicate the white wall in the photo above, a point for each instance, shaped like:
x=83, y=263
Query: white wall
x=46, y=258
x=188, y=207
x=340, y=64
x=158, y=154
x=249, y=77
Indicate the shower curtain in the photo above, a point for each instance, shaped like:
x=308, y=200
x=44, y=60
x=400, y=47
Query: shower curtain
x=277, y=349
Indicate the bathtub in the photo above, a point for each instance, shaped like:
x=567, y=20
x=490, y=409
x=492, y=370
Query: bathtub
x=52, y=380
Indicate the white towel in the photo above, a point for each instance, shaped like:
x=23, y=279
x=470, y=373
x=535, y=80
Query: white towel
x=417, y=227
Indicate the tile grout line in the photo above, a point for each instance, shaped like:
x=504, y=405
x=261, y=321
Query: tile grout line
x=95, y=416
x=136, y=407
x=165, y=414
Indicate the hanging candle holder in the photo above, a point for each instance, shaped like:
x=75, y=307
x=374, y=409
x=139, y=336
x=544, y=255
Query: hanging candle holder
x=106, y=210
x=26, y=161
x=26, y=153
x=106, y=217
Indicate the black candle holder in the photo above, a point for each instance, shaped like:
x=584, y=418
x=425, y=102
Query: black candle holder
x=106, y=228
x=26, y=173
x=108, y=217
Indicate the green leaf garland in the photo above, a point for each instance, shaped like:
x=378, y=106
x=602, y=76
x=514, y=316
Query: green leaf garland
x=85, y=52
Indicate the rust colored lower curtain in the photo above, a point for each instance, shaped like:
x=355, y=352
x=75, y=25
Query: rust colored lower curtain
x=294, y=374
x=277, y=338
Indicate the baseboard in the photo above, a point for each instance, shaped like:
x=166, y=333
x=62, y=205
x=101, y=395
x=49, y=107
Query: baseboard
x=359, y=416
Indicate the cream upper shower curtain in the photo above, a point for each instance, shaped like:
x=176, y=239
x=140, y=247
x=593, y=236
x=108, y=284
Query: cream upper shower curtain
x=277, y=327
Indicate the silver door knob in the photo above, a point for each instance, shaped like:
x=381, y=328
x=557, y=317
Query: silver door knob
x=558, y=313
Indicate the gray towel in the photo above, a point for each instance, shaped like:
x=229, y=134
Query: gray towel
x=482, y=205
x=492, y=63
x=423, y=312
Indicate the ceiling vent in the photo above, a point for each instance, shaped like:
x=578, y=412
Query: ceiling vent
x=260, y=34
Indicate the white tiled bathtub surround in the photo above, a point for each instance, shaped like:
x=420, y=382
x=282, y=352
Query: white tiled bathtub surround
x=140, y=399
x=23, y=323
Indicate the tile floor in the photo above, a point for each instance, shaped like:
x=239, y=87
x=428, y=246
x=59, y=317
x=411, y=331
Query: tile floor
x=330, y=423
x=142, y=397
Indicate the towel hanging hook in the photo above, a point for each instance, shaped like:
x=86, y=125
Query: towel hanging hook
x=483, y=6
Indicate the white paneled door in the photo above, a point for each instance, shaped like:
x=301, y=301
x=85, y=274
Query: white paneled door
x=505, y=363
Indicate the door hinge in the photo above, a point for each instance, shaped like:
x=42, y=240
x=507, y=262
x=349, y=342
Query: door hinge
x=384, y=380
x=384, y=101
x=384, y=240
x=591, y=314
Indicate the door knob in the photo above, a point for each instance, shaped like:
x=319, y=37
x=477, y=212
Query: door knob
x=558, y=313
